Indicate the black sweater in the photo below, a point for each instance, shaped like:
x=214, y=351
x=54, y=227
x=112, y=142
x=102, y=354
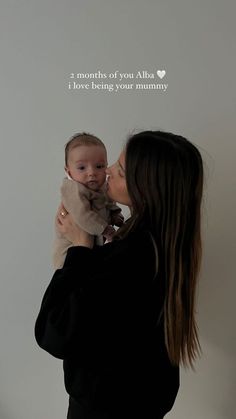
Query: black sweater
x=99, y=315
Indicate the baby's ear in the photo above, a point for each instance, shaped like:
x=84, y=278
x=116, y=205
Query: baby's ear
x=67, y=172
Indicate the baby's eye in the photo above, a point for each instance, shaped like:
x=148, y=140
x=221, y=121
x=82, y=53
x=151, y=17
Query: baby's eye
x=100, y=166
x=81, y=167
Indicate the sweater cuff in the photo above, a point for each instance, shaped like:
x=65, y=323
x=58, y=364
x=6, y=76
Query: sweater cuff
x=76, y=254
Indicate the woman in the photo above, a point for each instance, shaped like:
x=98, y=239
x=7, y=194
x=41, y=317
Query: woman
x=121, y=316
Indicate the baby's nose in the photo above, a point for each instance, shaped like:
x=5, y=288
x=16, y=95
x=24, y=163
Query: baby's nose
x=92, y=172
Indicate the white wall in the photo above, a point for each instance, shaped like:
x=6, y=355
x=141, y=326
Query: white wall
x=41, y=44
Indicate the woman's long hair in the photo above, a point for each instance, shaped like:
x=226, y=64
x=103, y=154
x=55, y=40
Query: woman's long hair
x=164, y=176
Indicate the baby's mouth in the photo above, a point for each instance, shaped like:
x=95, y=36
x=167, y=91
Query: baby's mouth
x=92, y=183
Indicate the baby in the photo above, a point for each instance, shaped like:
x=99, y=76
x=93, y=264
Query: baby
x=83, y=193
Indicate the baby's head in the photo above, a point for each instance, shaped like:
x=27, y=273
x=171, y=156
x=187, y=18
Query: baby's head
x=86, y=160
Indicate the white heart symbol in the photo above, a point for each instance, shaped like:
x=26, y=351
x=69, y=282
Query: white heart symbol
x=161, y=73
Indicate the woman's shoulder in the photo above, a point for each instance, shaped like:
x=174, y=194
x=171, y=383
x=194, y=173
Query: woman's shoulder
x=137, y=243
x=130, y=260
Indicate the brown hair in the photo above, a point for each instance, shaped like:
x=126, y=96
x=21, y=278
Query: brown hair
x=81, y=138
x=164, y=176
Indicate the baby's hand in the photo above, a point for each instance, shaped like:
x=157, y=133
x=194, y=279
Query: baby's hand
x=108, y=233
x=117, y=219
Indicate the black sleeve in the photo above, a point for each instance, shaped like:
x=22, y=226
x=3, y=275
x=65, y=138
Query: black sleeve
x=62, y=304
x=84, y=304
x=92, y=305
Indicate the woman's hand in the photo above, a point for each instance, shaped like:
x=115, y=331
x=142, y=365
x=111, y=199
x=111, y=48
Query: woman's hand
x=69, y=229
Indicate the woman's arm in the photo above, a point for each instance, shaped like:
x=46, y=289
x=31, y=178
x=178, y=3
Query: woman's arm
x=62, y=309
x=94, y=304
x=84, y=309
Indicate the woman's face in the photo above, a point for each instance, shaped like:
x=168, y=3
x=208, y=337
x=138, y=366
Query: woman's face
x=116, y=182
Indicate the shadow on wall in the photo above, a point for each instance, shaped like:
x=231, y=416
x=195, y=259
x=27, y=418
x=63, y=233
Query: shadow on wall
x=230, y=409
x=217, y=286
x=3, y=413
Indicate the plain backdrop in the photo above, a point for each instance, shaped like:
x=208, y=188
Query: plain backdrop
x=41, y=44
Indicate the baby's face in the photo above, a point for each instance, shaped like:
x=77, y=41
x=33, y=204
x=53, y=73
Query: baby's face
x=87, y=165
